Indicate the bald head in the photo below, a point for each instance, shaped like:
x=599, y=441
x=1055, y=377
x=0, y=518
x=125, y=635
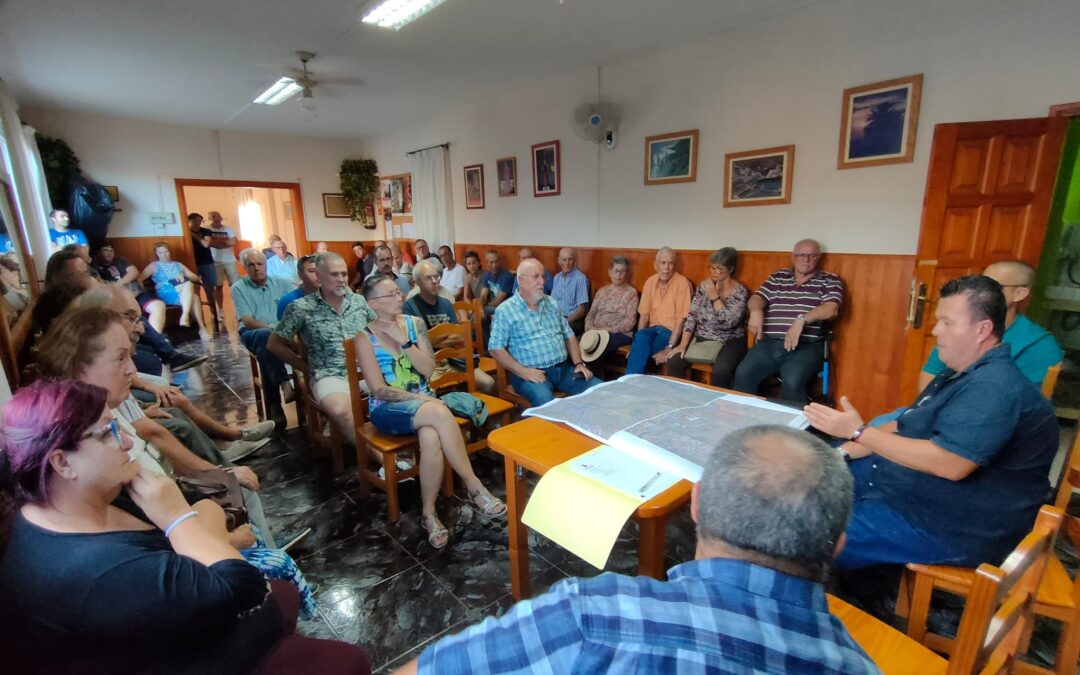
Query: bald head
x=1016, y=278
x=805, y=257
x=567, y=259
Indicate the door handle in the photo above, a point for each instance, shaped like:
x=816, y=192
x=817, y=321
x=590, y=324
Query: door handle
x=920, y=307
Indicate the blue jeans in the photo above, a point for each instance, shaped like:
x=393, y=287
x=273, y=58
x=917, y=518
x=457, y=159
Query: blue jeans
x=146, y=361
x=157, y=342
x=796, y=368
x=878, y=535
x=560, y=377
x=271, y=367
x=647, y=341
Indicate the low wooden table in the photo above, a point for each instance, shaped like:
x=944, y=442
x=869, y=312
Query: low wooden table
x=537, y=445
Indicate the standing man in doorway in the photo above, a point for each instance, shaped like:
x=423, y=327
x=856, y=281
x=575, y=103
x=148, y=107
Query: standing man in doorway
x=221, y=243
x=202, y=242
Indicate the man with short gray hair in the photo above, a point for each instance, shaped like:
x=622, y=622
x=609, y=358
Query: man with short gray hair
x=770, y=509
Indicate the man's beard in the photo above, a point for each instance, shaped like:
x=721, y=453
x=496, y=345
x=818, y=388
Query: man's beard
x=340, y=291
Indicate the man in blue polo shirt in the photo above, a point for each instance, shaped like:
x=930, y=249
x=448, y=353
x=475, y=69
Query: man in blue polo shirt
x=531, y=339
x=959, y=476
x=496, y=284
x=770, y=511
x=570, y=290
x=256, y=298
x=1032, y=347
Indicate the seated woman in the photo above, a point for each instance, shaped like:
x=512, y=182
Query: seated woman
x=174, y=284
x=717, y=312
x=90, y=587
x=614, y=309
x=396, y=359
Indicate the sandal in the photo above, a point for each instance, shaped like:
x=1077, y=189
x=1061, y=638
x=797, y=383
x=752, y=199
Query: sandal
x=438, y=535
x=488, y=504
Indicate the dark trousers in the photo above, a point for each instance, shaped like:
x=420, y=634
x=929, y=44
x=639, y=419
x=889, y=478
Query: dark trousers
x=157, y=342
x=301, y=654
x=616, y=341
x=723, y=370
x=796, y=368
x=146, y=361
x=271, y=367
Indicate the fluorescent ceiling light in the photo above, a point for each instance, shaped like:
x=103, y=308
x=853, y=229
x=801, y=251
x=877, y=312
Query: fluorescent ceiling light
x=396, y=13
x=279, y=92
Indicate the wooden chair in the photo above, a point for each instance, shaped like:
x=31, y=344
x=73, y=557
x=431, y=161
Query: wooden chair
x=1050, y=380
x=307, y=408
x=256, y=383
x=997, y=618
x=471, y=311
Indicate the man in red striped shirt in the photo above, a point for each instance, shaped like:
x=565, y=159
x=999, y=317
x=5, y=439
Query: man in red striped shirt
x=787, y=317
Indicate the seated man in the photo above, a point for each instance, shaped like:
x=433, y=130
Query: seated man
x=309, y=283
x=256, y=298
x=770, y=511
x=435, y=309
x=571, y=291
x=665, y=302
x=384, y=265
x=958, y=478
x=60, y=235
x=324, y=320
x=549, y=280
x=281, y=264
x=423, y=252
x=496, y=285
x=786, y=319
x=1033, y=349
x=453, y=275
x=531, y=339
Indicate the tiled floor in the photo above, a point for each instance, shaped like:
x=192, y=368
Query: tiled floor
x=379, y=584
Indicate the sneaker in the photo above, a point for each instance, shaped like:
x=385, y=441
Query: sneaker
x=257, y=432
x=294, y=538
x=183, y=362
x=238, y=450
x=402, y=465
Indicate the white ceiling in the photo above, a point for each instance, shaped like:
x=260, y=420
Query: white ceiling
x=200, y=62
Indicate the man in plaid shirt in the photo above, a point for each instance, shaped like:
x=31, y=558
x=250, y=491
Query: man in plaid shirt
x=771, y=509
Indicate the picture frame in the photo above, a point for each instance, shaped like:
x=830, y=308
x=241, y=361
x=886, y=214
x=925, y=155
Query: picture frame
x=397, y=190
x=671, y=158
x=333, y=205
x=506, y=175
x=114, y=192
x=878, y=123
x=759, y=177
x=474, y=186
x=546, y=170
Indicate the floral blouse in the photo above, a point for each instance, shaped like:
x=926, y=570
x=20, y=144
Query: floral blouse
x=614, y=309
x=706, y=322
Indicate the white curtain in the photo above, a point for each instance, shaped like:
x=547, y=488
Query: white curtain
x=433, y=197
x=23, y=163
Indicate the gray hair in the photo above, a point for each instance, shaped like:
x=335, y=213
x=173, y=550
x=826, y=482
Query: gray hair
x=324, y=259
x=247, y=253
x=619, y=260
x=726, y=256
x=100, y=295
x=419, y=268
x=665, y=249
x=781, y=495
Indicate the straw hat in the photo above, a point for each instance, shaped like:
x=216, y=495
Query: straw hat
x=593, y=343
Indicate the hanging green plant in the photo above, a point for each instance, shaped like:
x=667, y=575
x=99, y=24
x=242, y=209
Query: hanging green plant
x=60, y=165
x=359, y=185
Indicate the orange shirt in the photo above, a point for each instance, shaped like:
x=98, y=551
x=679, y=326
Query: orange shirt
x=669, y=307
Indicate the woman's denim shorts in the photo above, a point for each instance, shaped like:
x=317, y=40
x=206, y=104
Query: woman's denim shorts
x=396, y=417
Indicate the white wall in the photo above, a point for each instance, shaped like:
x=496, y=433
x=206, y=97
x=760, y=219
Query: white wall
x=772, y=83
x=142, y=159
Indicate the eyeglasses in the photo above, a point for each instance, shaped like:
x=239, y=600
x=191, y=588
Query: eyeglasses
x=806, y=256
x=100, y=433
x=431, y=277
x=719, y=268
x=396, y=293
x=1013, y=285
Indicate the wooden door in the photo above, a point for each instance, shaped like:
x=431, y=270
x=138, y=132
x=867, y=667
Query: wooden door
x=988, y=193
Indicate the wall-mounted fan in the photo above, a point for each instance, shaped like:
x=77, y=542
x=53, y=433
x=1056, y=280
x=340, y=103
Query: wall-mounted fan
x=597, y=120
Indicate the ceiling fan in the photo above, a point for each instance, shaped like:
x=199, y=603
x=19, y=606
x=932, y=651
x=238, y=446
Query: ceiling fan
x=299, y=81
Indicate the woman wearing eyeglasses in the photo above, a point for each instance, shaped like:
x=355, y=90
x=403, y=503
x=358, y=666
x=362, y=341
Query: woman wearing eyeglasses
x=88, y=587
x=396, y=360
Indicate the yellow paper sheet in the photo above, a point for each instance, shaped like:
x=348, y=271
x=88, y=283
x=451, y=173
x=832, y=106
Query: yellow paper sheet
x=578, y=513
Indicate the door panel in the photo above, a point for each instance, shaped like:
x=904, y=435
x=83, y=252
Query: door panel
x=987, y=198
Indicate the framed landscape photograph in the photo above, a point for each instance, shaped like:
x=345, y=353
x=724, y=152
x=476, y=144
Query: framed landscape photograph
x=474, y=186
x=545, y=160
x=506, y=171
x=333, y=205
x=759, y=177
x=878, y=123
x=671, y=158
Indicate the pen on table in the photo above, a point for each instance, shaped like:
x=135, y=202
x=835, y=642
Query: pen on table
x=649, y=483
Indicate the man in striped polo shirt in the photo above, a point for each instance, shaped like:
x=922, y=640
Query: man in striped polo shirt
x=787, y=319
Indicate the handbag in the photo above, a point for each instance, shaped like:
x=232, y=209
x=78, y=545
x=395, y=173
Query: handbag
x=703, y=351
x=220, y=487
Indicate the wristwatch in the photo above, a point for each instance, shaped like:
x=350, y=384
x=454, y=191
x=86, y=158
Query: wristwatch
x=854, y=438
x=408, y=343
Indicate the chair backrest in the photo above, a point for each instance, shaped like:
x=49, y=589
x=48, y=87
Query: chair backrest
x=1070, y=478
x=357, y=398
x=471, y=311
x=998, y=610
x=464, y=351
x=1050, y=380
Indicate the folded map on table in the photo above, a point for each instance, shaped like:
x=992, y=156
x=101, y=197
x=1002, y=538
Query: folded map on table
x=671, y=424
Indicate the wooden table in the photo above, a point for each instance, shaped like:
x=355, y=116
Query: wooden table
x=537, y=445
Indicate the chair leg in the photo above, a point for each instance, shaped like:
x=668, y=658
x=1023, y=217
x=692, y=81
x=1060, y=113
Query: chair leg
x=1069, y=647
x=903, y=595
x=923, y=588
x=447, y=479
x=362, y=463
x=392, y=506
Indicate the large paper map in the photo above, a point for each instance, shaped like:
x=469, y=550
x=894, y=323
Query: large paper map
x=671, y=424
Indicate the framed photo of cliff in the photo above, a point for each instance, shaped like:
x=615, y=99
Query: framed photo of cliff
x=474, y=186
x=547, y=181
x=671, y=158
x=759, y=177
x=878, y=123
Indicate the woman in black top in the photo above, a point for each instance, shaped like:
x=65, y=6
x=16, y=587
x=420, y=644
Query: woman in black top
x=87, y=587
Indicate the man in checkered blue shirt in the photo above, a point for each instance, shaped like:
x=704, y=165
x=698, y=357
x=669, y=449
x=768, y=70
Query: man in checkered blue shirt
x=771, y=509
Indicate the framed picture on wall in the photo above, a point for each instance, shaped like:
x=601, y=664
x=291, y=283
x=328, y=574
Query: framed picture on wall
x=878, y=123
x=506, y=172
x=398, y=191
x=671, y=158
x=474, y=186
x=759, y=177
x=547, y=181
x=333, y=205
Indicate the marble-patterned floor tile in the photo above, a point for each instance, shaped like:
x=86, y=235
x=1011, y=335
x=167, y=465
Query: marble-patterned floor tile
x=623, y=558
x=353, y=564
x=316, y=628
x=331, y=521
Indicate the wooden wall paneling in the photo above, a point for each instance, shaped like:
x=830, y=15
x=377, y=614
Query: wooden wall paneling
x=140, y=250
